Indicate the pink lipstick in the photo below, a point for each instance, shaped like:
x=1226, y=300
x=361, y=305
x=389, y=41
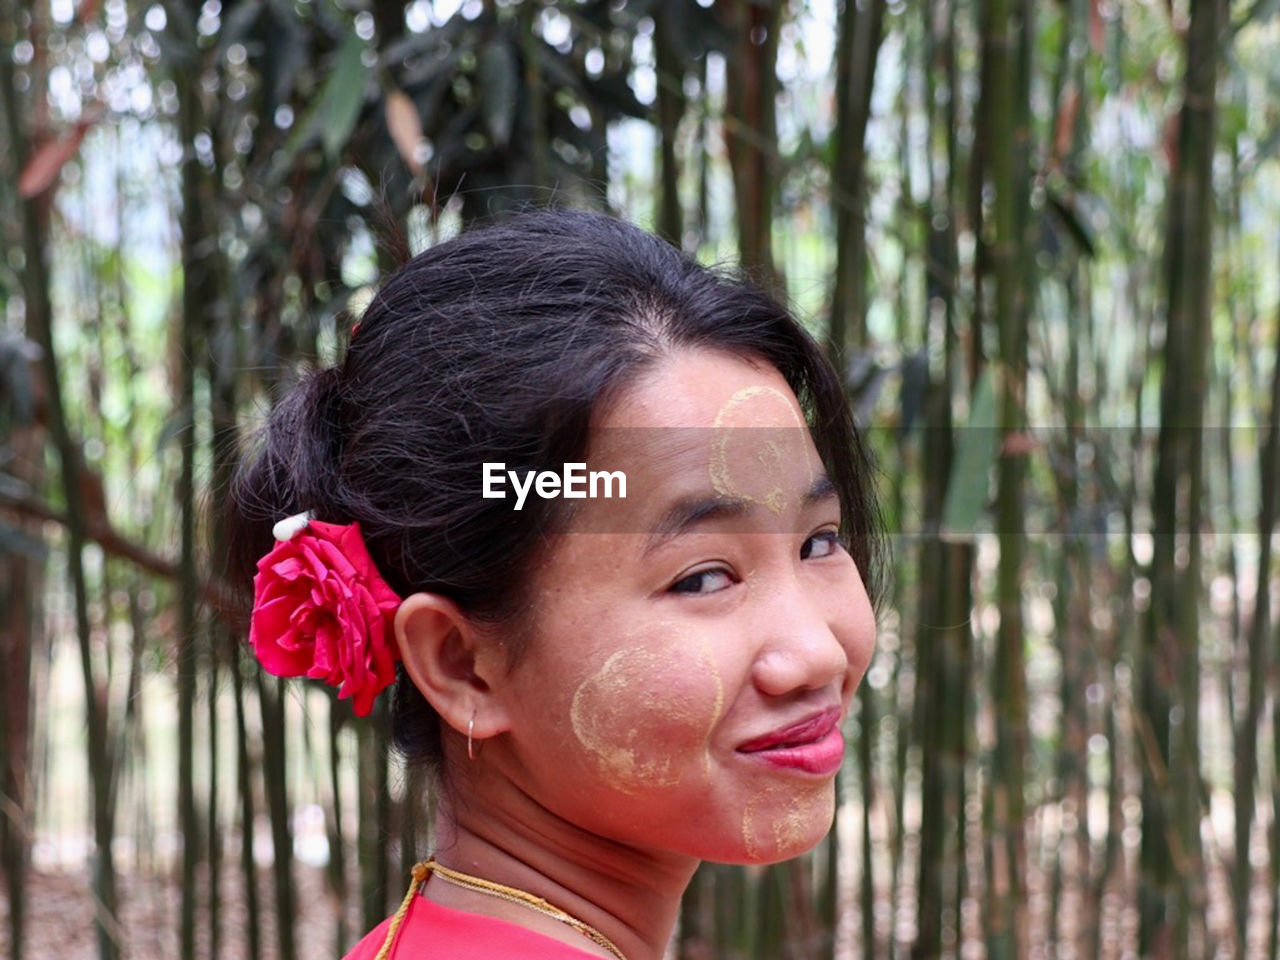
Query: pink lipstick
x=814, y=745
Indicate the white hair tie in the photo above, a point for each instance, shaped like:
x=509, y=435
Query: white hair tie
x=290, y=527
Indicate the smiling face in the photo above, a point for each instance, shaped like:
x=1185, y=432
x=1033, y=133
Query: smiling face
x=692, y=654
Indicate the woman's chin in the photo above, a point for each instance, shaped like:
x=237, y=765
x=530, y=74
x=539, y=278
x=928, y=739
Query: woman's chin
x=778, y=824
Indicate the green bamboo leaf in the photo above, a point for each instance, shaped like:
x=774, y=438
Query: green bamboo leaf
x=333, y=113
x=179, y=45
x=343, y=96
x=239, y=23
x=498, y=76
x=968, y=488
x=1066, y=208
x=172, y=428
x=285, y=55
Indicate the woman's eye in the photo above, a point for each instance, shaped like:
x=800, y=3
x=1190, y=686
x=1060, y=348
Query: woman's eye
x=704, y=581
x=820, y=545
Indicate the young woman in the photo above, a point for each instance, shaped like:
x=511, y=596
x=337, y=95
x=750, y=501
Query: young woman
x=601, y=515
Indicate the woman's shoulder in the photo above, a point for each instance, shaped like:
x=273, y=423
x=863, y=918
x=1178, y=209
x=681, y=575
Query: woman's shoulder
x=430, y=931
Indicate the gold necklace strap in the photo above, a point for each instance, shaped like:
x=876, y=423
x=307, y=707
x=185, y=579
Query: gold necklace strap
x=502, y=892
x=420, y=873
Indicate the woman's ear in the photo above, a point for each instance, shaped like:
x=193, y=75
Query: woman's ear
x=441, y=651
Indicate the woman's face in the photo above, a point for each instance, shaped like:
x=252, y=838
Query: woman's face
x=695, y=646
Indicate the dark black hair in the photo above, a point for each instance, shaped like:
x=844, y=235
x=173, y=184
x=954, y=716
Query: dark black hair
x=498, y=346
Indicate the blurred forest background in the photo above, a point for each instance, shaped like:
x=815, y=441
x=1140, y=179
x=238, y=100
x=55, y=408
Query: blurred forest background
x=1042, y=239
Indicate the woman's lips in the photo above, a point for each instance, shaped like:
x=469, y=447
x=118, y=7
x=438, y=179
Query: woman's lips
x=814, y=745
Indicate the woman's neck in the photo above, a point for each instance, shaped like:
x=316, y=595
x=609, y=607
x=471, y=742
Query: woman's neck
x=496, y=832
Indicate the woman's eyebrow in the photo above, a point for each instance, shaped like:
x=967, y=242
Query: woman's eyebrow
x=688, y=512
x=691, y=511
x=821, y=489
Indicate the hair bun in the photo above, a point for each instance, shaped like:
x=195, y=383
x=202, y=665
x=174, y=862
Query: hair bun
x=292, y=468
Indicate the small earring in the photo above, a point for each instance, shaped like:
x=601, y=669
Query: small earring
x=471, y=725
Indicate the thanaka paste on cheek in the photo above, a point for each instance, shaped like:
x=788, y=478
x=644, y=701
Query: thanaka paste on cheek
x=785, y=820
x=758, y=438
x=641, y=728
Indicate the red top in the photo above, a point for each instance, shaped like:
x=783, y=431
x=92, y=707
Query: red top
x=433, y=932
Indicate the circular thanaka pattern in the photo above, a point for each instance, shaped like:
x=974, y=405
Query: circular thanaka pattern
x=783, y=820
x=640, y=729
x=759, y=439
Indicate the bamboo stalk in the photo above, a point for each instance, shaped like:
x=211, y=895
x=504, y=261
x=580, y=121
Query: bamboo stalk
x=213, y=827
x=187, y=661
x=1260, y=658
x=19, y=630
x=39, y=320
x=750, y=127
x=861, y=29
x=274, y=739
x=244, y=786
x=866, y=783
x=1006, y=905
x=1173, y=912
x=535, y=88
x=337, y=839
x=672, y=104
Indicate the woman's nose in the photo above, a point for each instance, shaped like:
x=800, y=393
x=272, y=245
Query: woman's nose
x=799, y=649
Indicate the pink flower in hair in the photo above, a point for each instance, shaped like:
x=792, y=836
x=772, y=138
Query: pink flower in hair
x=321, y=610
